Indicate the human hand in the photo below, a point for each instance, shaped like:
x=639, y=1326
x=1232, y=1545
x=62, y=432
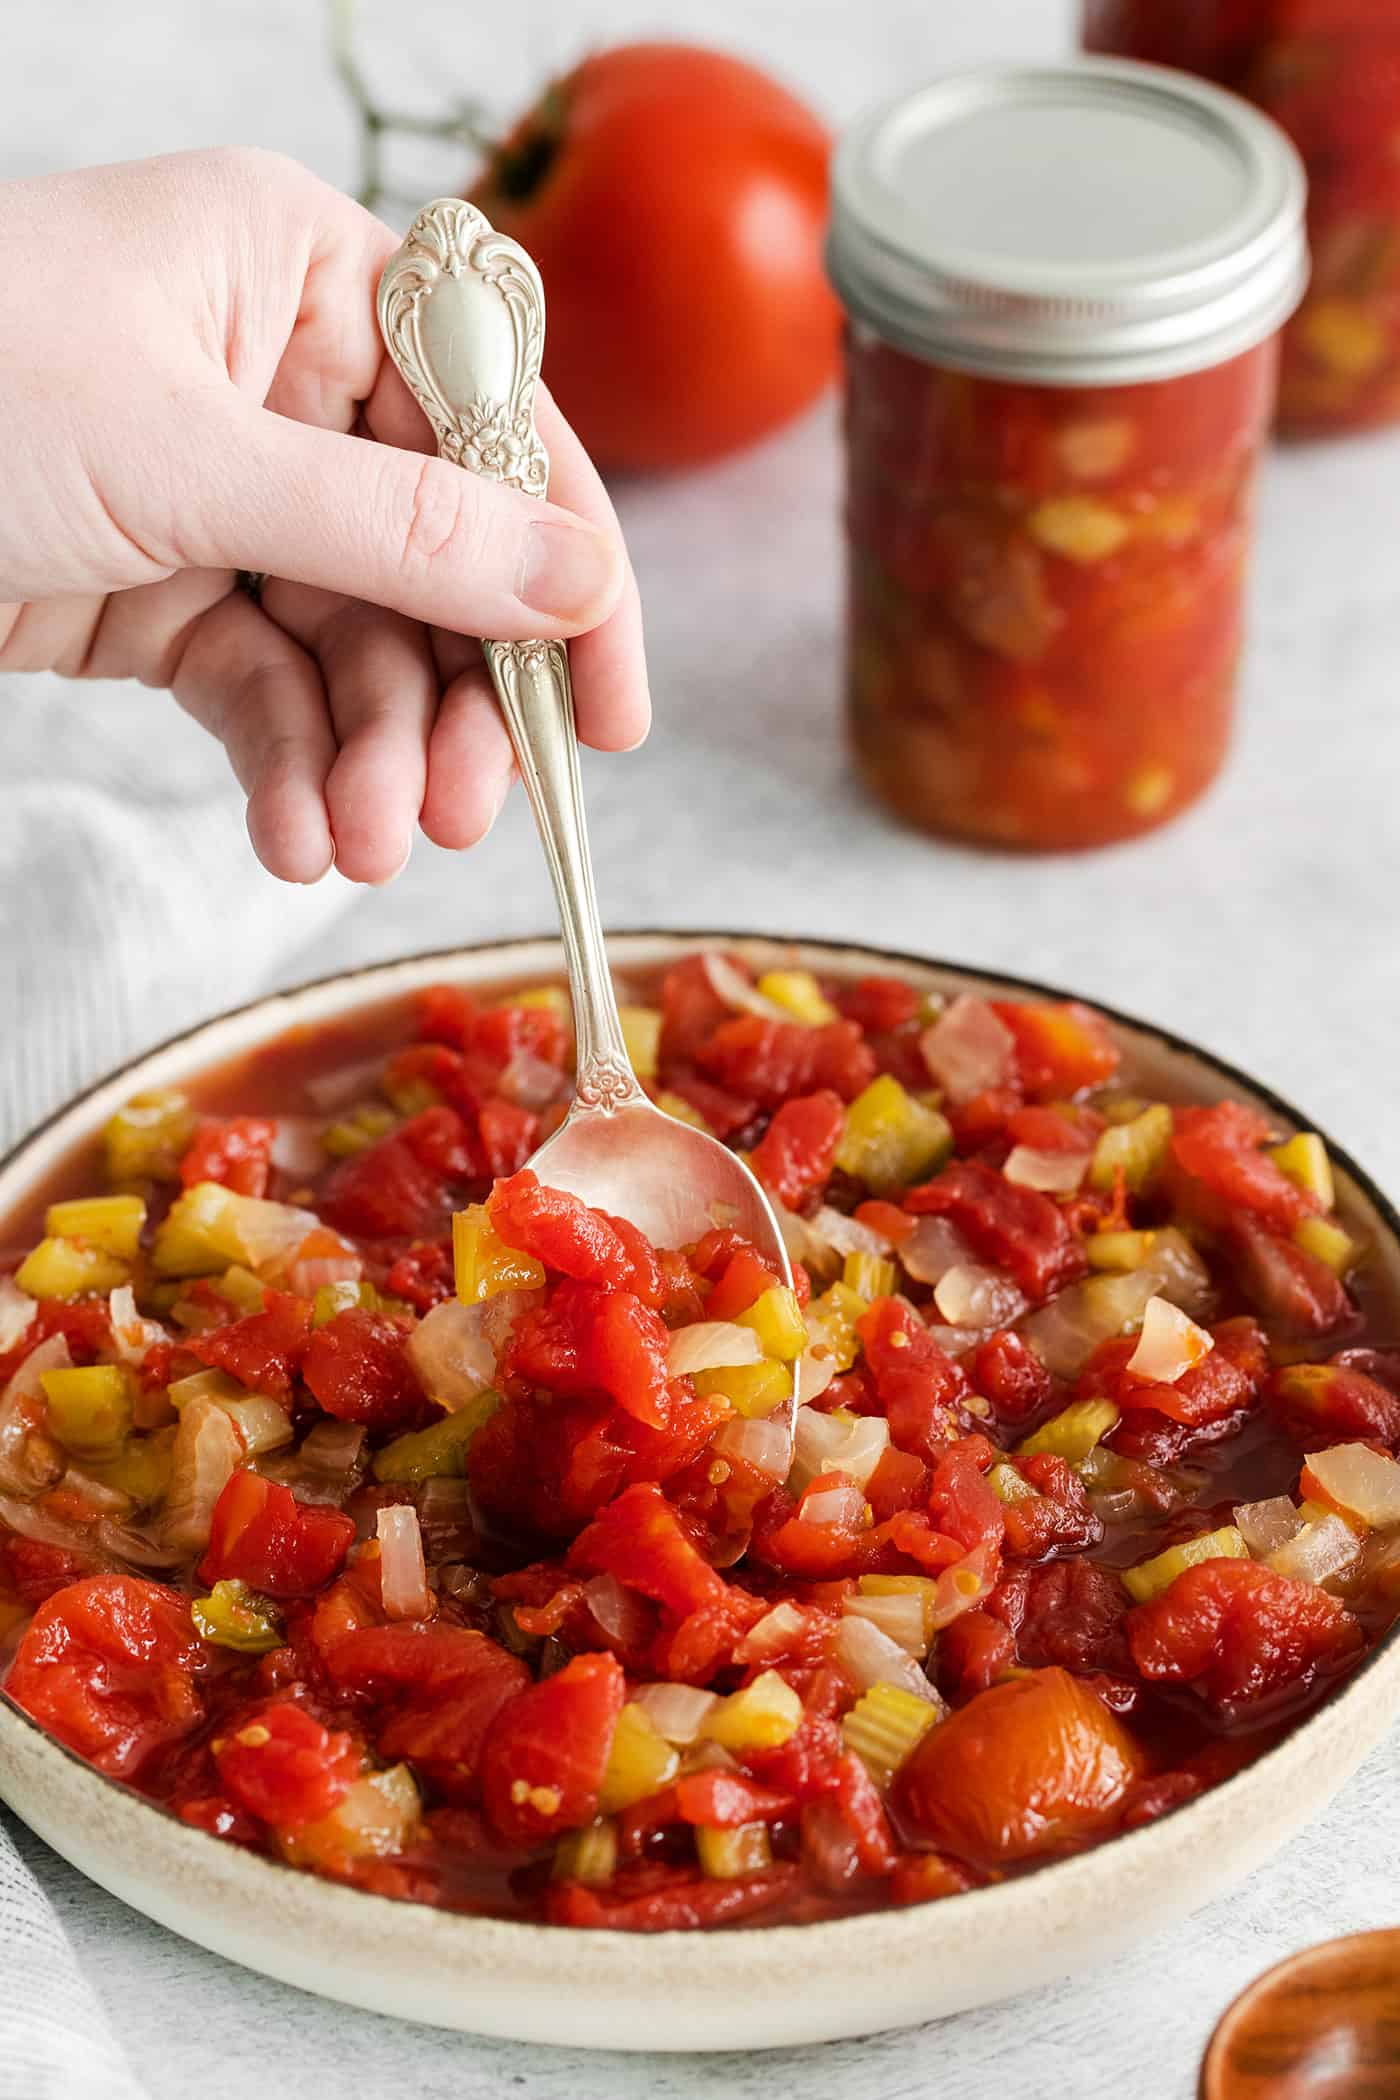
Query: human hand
x=213, y=396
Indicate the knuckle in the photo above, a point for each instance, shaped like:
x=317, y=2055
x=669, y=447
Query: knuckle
x=444, y=522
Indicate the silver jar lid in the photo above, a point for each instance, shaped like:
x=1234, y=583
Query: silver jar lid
x=1090, y=224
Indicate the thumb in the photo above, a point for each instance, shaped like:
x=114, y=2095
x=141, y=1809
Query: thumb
x=400, y=529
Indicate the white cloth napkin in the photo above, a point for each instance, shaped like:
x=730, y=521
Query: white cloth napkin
x=130, y=905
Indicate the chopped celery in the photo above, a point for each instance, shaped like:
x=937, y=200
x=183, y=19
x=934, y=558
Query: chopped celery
x=1151, y=1577
x=142, y=1469
x=1304, y=1160
x=1073, y=1432
x=641, y=1032
x=232, y=1616
x=776, y=1318
x=1078, y=527
x=262, y=1422
x=146, y=1139
x=760, y=1717
x=485, y=1265
x=923, y=1587
x=209, y=1226
x=750, y=1389
x=799, y=994
x=425, y=1454
x=870, y=1276
x=1120, y=1251
x=890, y=1139
x=640, y=1762
x=242, y=1288
x=731, y=1855
x=333, y=1298
x=89, y=1411
x=836, y=1312
x=1139, y=1148
x=1325, y=1240
x=59, y=1268
x=111, y=1224
x=676, y=1105
x=883, y=1727
x=359, y=1130
x=376, y=1818
x=588, y=1855
x=1009, y=1485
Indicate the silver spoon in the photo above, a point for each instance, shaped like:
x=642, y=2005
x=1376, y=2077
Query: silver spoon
x=461, y=309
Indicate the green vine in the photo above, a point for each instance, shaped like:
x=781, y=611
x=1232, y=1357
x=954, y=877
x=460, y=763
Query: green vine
x=462, y=125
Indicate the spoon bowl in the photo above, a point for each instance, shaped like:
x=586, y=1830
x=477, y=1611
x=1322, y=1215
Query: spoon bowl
x=461, y=309
x=1323, y=2025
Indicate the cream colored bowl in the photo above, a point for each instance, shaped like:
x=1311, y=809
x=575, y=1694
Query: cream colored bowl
x=718, y=1990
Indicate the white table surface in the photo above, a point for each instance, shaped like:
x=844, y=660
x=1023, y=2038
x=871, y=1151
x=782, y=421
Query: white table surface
x=1263, y=924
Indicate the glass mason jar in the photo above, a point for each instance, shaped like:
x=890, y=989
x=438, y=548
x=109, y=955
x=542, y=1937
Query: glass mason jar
x=1328, y=71
x=1063, y=288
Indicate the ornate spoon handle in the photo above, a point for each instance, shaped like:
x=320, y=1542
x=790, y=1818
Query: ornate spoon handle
x=461, y=309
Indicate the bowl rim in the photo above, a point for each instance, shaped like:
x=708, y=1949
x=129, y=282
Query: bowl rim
x=631, y=1947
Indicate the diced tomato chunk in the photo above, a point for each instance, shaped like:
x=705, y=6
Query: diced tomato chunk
x=1220, y=1146
x=266, y=1350
x=1289, y=1285
x=1017, y=1228
x=1067, y=1612
x=658, y=1898
x=586, y=1340
x=445, y=1014
x=442, y=1735
x=794, y=1157
x=1060, y=1048
x=725, y=1800
x=358, y=1371
x=1240, y=1633
x=108, y=1666
x=1007, y=1371
x=960, y=1502
x=236, y=1152
x=878, y=1004
x=724, y=1113
x=743, y=1280
x=691, y=1008
x=1327, y=1403
x=402, y=1186
x=260, y=1534
x=1057, y=1518
x=281, y=1765
x=423, y=1274
x=34, y=1569
x=544, y=1755
x=561, y=1231
x=639, y=1539
x=920, y=1388
x=509, y=1134
x=773, y=1060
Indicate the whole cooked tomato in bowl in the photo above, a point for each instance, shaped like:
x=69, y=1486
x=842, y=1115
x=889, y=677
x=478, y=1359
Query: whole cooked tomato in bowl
x=675, y=200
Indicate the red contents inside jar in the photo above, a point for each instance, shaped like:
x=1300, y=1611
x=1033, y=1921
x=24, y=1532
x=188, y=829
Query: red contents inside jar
x=1046, y=592
x=1328, y=71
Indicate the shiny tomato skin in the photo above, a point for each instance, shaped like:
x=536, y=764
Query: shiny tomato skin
x=678, y=226
x=107, y=1665
x=264, y=1351
x=545, y=1752
x=794, y=1157
x=262, y=1535
x=1033, y=1765
x=357, y=1369
x=236, y=1152
x=1239, y=1632
x=280, y=1764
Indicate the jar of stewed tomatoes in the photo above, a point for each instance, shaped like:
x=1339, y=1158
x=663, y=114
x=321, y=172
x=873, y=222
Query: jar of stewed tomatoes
x=1064, y=287
x=1329, y=72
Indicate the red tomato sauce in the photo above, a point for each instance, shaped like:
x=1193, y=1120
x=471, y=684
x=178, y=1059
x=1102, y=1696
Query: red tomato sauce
x=370, y=1506
x=1328, y=71
x=1046, y=592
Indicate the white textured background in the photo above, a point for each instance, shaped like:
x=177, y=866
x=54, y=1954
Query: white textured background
x=1263, y=924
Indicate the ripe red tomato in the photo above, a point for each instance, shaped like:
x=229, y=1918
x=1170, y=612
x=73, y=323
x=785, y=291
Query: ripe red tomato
x=675, y=202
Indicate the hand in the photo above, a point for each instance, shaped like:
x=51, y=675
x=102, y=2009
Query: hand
x=192, y=383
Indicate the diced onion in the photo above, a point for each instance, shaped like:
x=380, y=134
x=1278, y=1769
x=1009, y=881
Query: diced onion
x=1170, y=1344
x=34, y=1523
x=712, y=1345
x=296, y=1146
x=498, y=1316
x=843, y=1235
x=1066, y=1332
x=450, y=1352
x=824, y=1444
x=842, y=1503
x=135, y=1547
x=19, y=1411
x=623, y=1615
x=347, y=1083
x=969, y=1049
x=529, y=1081
x=868, y=1657
x=1361, y=1480
x=17, y=1309
x=131, y=1335
x=730, y=984
x=309, y=1275
x=676, y=1711
x=899, y=1615
x=813, y=1373
x=1318, y=1551
x=444, y=1513
x=1265, y=1526
x=403, y=1578
x=271, y=1233
x=963, y=1586
x=776, y=1633
x=761, y=1441
x=207, y=1452
x=1057, y=1173
x=1179, y=1273
x=972, y=1295
x=933, y=1248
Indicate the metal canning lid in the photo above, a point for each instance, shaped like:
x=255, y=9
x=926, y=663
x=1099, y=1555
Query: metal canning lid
x=1091, y=224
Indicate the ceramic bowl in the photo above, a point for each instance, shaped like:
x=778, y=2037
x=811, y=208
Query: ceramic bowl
x=681, y=1991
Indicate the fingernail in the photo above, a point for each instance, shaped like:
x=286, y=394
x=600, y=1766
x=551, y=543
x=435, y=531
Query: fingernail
x=567, y=571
